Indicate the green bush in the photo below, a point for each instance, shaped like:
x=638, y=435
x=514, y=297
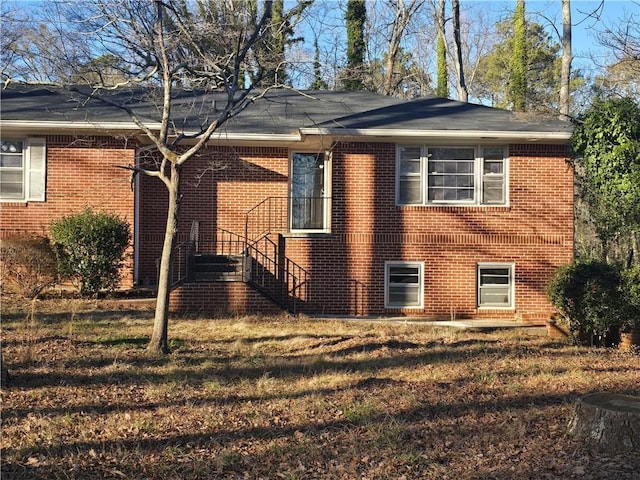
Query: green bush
x=630, y=290
x=90, y=249
x=28, y=264
x=589, y=297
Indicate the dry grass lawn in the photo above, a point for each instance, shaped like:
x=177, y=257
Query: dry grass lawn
x=291, y=398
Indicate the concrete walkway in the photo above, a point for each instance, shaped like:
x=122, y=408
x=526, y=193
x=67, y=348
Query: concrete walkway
x=482, y=324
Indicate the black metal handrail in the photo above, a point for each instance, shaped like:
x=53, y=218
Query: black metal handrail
x=179, y=272
x=280, y=214
x=269, y=216
x=284, y=282
x=275, y=275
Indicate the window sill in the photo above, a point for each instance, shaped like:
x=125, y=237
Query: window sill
x=404, y=307
x=456, y=206
x=496, y=307
x=306, y=234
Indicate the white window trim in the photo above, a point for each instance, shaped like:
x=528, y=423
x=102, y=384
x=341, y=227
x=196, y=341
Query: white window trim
x=326, y=194
x=31, y=174
x=478, y=177
x=392, y=263
x=512, y=285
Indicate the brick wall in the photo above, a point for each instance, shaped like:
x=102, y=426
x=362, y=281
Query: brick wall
x=219, y=298
x=219, y=187
x=81, y=173
x=535, y=232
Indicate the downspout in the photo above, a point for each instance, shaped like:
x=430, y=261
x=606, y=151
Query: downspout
x=136, y=216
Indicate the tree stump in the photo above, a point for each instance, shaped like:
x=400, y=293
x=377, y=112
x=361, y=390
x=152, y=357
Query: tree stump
x=608, y=421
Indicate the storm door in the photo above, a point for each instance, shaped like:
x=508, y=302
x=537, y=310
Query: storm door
x=308, y=192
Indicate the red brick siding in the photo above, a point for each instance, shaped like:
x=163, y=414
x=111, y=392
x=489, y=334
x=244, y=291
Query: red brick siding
x=347, y=267
x=535, y=231
x=219, y=187
x=80, y=173
x=221, y=297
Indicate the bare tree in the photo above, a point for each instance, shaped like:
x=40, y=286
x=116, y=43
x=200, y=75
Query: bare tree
x=161, y=49
x=321, y=25
x=211, y=69
x=32, y=49
x=463, y=94
x=623, y=42
x=565, y=74
x=403, y=13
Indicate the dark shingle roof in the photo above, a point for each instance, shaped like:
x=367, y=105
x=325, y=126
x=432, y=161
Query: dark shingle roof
x=277, y=112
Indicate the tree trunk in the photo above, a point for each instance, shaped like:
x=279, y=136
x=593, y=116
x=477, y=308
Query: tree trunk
x=565, y=75
x=463, y=94
x=608, y=421
x=442, y=87
x=159, y=339
x=403, y=14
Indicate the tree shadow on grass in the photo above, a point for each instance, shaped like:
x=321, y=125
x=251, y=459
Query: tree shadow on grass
x=14, y=319
x=215, y=439
x=233, y=366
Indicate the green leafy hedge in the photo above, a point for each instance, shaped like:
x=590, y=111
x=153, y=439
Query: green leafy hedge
x=90, y=248
x=596, y=299
x=588, y=296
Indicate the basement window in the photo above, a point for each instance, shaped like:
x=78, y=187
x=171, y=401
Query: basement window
x=495, y=285
x=404, y=284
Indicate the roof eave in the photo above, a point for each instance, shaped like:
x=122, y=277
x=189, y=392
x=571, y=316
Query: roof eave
x=92, y=127
x=529, y=136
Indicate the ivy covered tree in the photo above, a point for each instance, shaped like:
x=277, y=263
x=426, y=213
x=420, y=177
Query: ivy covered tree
x=442, y=87
x=318, y=82
x=518, y=65
x=606, y=143
x=499, y=78
x=356, y=17
x=270, y=68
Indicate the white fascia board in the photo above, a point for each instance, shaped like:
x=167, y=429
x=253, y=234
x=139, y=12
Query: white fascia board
x=529, y=136
x=105, y=127
x=31, y=125
x=257, y=137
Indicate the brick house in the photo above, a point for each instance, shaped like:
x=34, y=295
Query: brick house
x=323, y=202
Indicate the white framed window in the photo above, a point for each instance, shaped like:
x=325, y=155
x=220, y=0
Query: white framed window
x=22, y=169
x=493, y=176
x=403, y=284
x=495, y=285
x=309, y=199
x=451, y=175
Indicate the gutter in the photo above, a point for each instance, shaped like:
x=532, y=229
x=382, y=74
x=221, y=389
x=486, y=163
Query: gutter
x=222, y=134
x=530, y=136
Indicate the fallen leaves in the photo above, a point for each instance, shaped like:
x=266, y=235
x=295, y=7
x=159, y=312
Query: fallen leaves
x=282, y=398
